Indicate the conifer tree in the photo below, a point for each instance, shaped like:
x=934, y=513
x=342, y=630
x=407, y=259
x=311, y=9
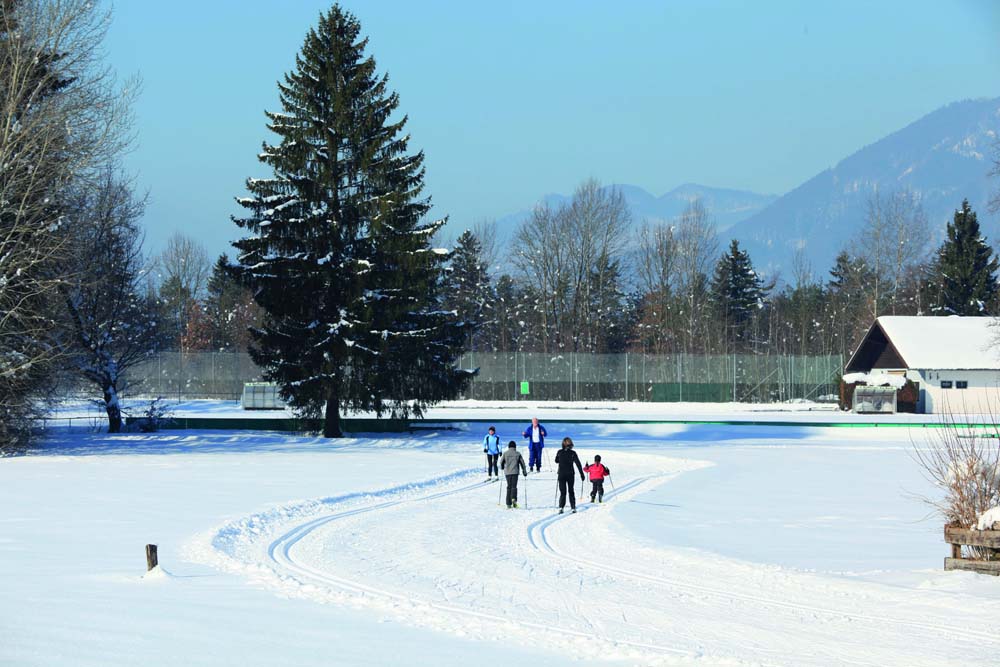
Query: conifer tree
x=230, y=308
x=966, y=268
x=469, y=285
x=337, y=253
x=737, y=292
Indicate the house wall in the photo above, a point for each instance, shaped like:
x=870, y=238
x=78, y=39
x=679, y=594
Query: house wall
x=981, y=396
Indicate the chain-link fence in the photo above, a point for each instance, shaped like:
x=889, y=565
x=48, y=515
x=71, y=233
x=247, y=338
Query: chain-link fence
x=193, y=375
x=563, y=377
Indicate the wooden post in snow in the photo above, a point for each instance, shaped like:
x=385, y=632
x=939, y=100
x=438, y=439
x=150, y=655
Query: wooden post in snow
x=151, y=560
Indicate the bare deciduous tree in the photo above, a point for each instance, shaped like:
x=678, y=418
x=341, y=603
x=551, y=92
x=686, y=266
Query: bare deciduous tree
x=657, y=272
x=485, y=232
x=892, y=240
x=184, y=261
x=568, y=256
x=183, y=269
x=698, y=247
x=62, y=116
x=112, y=321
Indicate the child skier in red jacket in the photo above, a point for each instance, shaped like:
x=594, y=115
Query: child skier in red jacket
x=598, y=472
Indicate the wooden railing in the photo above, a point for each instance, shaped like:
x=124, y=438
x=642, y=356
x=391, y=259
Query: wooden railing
x=987, y=540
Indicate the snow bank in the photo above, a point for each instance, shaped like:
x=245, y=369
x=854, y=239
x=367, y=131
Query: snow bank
x=988, y=518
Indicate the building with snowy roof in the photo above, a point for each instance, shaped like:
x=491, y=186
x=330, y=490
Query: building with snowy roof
x=953, y=361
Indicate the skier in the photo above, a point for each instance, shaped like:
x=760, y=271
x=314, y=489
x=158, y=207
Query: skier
x=491, y=447
x=566, y=458
x=536, y=443
x=597, y=472
x=510, y=461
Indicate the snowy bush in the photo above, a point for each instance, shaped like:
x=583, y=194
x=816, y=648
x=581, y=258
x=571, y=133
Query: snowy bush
x=156, y=415
x=964, y=462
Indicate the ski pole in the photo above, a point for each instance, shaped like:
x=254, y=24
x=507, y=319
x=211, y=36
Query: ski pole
x=612, y=482
x=555, y=498
x=500, y=493
x=526, y=493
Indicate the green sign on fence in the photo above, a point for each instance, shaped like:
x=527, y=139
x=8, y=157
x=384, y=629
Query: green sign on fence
x=525, y=389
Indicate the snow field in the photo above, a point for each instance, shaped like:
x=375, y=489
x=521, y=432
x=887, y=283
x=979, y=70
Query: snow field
x=428, y=556
x=721, y=545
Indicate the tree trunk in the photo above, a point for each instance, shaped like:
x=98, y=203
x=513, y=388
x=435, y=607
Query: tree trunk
x=331, y=420
x=113, y=409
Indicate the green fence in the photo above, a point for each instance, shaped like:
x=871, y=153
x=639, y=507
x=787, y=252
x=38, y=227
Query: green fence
x=647, y=377
x=563, y=377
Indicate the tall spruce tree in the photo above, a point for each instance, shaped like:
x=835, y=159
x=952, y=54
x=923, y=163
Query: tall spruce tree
x=966, y=269
x=469, y=286
x=337, y=253
x=737, y=293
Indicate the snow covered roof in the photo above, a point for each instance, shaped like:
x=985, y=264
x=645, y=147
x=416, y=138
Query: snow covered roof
x=949, y=343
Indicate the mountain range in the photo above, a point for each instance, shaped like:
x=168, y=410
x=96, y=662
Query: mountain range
x=941, y=158
x=727, y=207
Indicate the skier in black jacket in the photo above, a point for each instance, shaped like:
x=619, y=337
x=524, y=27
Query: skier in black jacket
x=566, y=458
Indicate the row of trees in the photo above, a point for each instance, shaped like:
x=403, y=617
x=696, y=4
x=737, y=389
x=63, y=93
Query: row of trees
x=584, y=281
x=336, y=290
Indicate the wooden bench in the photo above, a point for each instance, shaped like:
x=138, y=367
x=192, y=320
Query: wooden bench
x=988, y=539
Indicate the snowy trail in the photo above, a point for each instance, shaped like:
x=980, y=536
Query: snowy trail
x=444, y=559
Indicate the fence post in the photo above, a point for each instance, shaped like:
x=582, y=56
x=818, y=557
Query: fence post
x=151, y=559
x=734, y=377
x=626, y=377
x=680, y=377
x=514, y=383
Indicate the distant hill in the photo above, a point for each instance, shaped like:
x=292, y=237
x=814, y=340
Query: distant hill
x=943, y=157
x=727, y=207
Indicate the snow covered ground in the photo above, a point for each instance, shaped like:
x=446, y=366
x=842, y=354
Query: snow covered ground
x=82, y=413
x=720, y=545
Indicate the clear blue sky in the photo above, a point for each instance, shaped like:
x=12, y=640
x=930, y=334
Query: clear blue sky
x=514, y=100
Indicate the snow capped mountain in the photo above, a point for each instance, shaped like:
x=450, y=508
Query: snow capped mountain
x=942, y=158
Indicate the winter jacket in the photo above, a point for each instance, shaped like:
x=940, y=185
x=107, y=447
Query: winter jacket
x=541, y=434
x=597, y=471
x=511, y=460
x=566, y=459
x=491, y=443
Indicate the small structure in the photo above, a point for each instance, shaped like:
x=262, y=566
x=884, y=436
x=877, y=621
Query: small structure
x=874, y=400
x=952, y=363
x=261, y=396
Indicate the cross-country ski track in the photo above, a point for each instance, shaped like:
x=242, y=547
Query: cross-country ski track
x=441, y=554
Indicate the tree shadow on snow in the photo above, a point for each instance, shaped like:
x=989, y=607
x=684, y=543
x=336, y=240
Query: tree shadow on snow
x=83, y=442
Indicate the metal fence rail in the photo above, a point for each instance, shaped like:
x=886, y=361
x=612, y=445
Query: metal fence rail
x=564, y=377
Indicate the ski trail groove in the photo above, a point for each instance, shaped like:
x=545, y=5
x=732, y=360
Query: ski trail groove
x=537, y=537
x=280, y=552
x=756, y=627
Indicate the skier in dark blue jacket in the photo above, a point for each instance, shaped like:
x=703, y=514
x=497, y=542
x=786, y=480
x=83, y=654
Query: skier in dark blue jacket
x=491, y=447
x=536, y=443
